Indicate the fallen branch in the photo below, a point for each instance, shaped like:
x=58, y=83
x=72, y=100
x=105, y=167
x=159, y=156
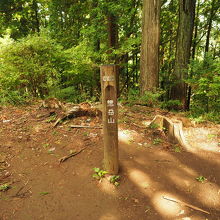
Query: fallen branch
x=62, y=159
x=85, y=126
x=186, y=204
x=17, y=194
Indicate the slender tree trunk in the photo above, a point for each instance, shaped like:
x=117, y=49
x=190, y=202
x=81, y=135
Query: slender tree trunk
x=36, y=17
x=194, y=44
x=112, y=23
x=210, y=19
x=149, y=65
x=137, y=68
x=183, y=46
x=112, y=33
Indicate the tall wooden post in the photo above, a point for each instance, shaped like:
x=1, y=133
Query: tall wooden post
x=110, y=117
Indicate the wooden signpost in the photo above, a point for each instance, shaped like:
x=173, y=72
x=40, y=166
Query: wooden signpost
x=110, y=117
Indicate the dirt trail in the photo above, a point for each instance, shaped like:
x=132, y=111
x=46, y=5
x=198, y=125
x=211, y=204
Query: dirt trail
x=150, y=168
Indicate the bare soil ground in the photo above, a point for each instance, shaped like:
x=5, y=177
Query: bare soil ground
x=35, y=186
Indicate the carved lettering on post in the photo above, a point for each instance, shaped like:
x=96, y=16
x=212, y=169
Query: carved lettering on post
x=110, y=117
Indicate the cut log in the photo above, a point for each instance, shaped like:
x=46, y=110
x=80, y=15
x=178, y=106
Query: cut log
x=173, y=129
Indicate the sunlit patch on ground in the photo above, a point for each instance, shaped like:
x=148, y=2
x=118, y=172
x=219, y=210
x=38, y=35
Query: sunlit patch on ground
x=107, y=187
x=166, y=208
x=126, y=136
x=189, y=171
x=209, y=194
x=141, y=179
x=203, y=138
x=182, y=180
x=108, y=217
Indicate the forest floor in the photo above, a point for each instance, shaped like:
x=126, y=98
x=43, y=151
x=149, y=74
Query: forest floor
x=34, y=185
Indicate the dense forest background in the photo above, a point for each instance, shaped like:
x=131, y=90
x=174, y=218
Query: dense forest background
x=168, y=51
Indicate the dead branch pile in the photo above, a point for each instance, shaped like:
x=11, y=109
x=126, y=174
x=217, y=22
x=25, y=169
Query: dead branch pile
x=71, y=110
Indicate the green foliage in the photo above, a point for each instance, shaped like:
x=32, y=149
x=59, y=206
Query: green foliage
x=115, y=180
x=70, y=94
x=154, y=126
x=79, y=81
x=177, y=149
x=44, y=193
x=201, y=179
x=37, y=66
x=29, y=68
x=133, y=96
x=171, y=104
x=148, y=99
x=52, y=118
x=205, y=84
x=11, y=97
x=157, y=141
x=151, y=98
x=99, y=173
x=4, y=187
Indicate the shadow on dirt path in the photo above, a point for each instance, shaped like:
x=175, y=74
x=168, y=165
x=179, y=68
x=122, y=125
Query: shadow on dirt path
x=157, y=173
x=41, y=188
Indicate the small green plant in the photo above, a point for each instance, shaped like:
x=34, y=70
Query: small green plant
x=4, y=187
x=44, y=193
x=171, y=105
x=115, y=180
x=148, y=99
x=157, y=141
x=154, y=126
x=54, y=133
x=85, y=133
x=211, y=136
x=201, y=179
x=51, y=150
x=177, y=149
x=99, y=173
x=52, y=118
x=151, y=99
x=199, y=119
x=46, y=145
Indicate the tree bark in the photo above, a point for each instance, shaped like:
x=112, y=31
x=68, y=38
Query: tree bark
x=149, y=66
x=214, y=8
x=36, y=17
x=112, y=36
x=183, y=46
x=194, y=45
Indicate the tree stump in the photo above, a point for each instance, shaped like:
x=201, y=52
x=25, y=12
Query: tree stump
x=173, y=129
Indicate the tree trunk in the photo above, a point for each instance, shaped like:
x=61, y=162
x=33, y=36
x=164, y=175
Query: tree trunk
x=183, y=46
x=149, y=66
x=112, y=24
x=214, y=8
x=112, y=36
x=194, y=45
x=36, y=17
